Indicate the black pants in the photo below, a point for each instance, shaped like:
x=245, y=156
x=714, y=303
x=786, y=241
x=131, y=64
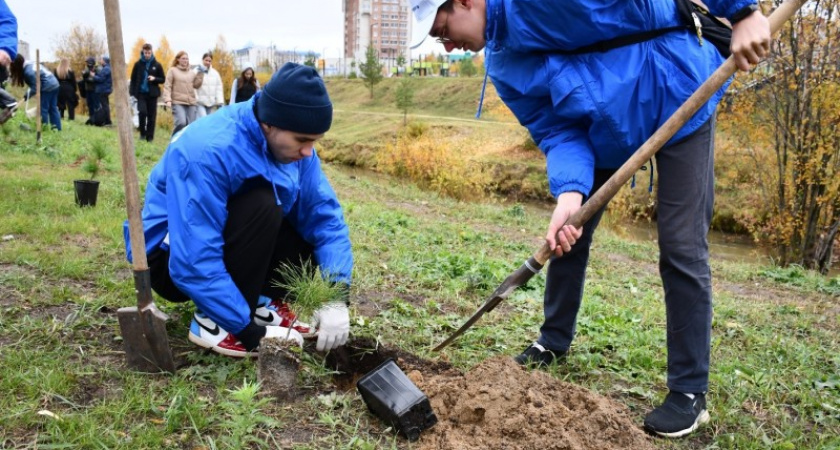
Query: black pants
x=69, y=103
x=147, y=113
x=684, y=211
x=104, y=103
x=257, y=241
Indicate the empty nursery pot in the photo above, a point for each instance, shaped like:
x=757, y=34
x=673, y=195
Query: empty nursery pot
x=86, y=192
x=394, y=398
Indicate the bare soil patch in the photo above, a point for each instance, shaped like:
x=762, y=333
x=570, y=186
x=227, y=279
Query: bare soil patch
x=500, y=405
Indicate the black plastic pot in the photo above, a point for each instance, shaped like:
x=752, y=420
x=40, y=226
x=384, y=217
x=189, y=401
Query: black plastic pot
x=86, y=192
x=392, y=397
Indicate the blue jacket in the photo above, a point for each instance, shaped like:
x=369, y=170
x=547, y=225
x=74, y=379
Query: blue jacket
x=49, y=82
x=8, y=30
x=187, y=194
x=594, y=110
x=103, y=80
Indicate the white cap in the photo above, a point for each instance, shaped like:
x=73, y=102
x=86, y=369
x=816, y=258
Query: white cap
x=425, y=12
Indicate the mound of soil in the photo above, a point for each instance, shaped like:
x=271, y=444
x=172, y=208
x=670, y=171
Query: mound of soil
x=500, y=405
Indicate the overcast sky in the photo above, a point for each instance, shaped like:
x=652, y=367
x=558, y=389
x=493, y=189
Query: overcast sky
x=194, y=25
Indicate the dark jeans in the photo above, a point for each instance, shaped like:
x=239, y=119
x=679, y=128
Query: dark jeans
x=257, y=241
x=103, y=101
x=92, y=101
x=685, y=198
x=147, y=113
x=49, y=109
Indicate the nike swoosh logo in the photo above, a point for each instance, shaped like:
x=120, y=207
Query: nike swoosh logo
x=214, y=331
x=268, y=317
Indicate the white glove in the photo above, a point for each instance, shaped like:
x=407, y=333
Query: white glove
x=333, y=324
x=272, y=331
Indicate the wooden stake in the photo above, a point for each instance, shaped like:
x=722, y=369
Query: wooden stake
x=38, y=95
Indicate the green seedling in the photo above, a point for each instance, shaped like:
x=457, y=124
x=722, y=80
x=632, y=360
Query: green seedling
x=307, y=288
x=96, y=155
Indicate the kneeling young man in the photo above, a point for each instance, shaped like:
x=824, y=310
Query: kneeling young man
x=234, y=196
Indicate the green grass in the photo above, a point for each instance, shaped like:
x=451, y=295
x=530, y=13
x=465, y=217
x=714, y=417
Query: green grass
x=423, y=264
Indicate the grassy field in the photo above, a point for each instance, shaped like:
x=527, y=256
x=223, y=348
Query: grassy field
x=423, y=263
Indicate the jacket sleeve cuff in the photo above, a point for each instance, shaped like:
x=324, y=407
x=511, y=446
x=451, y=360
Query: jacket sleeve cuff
x=250, y=336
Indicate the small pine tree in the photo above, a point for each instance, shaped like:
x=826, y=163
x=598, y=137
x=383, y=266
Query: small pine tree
x=371, y=69
x=467, y=68
x=405, y=97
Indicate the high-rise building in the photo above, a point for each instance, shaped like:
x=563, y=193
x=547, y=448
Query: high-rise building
x=383, y=24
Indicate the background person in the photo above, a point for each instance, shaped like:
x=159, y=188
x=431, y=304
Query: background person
x=211, y=95
x=179, y=91
x=146, y=78
x=236, y=194
x=588, y=111
x=87, y=88
x=67, y=97
x=245, y=86
x=103, y=86
x=23, y=72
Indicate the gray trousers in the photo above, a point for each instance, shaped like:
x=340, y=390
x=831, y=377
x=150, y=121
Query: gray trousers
x=685, y=198
x=182, y=115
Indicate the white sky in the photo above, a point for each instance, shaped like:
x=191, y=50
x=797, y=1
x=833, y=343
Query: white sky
x=194, y=25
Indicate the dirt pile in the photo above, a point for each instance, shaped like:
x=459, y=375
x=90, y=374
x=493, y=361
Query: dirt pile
x=500, y=405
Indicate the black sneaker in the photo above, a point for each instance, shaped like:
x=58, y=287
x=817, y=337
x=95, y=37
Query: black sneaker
x=678, y=416
x=538, y=355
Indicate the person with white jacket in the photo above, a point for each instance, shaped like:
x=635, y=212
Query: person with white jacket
x=211, y=95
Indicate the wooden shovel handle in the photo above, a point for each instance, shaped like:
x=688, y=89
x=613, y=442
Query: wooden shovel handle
x=113, y=23
x=668, y=129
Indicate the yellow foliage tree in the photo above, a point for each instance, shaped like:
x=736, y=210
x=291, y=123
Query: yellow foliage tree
x=164, y=54
x=134, y=55
x=223, y=62
x=78, y=44
x=791, y=108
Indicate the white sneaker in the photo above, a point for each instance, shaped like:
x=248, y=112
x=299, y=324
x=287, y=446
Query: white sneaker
x=208, y=334
x=277, y=313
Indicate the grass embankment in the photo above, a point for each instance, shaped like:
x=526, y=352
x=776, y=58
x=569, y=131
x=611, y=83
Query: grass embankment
x=493, y=156
x=423, y=263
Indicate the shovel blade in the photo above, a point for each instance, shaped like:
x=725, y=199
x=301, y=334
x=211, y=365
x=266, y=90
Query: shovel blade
x=145, y=341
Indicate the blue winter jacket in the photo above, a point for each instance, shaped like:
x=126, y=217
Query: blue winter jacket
x=594, y=110
x=187, y=194
x=102, y=80
x=49, y=82
x=8, y=30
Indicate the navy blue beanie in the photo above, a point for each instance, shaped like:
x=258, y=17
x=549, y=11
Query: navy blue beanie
x=295, y=99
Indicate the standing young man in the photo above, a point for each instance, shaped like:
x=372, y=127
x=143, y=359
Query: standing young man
x=146, y=78
x=235, y=195
x=589, y=111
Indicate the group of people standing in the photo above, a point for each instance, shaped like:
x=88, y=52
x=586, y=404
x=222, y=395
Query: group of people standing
x=58, y=90
x=191, y=93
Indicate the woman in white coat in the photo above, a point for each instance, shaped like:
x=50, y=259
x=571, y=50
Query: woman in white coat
x=211, y=95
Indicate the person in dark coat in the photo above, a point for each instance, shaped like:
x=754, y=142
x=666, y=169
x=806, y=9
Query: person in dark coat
x=87, y=88
x=146, y=78
x=67, y=97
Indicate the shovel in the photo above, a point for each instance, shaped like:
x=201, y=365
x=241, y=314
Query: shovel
x=536, y=262
x=143, y=327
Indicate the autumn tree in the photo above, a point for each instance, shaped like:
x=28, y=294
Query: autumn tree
x=792, y=109
x=78, y=44
x=371, y=69
x=164, y=54
x=405, y=97
x=223, y=62
x=134, y=55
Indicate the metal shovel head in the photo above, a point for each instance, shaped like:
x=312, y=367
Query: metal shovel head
x=145, y=341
